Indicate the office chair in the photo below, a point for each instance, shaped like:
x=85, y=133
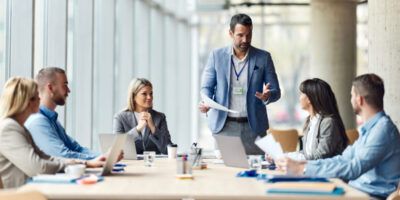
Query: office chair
x=352, y=135
x=288, y=139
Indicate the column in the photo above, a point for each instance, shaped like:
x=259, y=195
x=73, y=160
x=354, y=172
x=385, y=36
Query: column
x=333, y=49
x=384, y=50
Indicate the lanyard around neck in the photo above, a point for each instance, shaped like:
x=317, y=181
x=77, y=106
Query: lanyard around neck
x=241, y=70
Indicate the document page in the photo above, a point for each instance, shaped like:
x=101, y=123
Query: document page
x=212, y=104
x=270, y=146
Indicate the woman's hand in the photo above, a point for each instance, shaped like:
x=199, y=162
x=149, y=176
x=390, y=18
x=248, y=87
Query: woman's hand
x=149, y=120
x=141, y=124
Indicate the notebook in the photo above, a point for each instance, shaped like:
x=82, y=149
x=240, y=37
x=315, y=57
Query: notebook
x=269, y=178
x=305, y=188
x=302, y=186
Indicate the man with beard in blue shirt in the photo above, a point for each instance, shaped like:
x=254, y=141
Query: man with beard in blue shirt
x=372, y=163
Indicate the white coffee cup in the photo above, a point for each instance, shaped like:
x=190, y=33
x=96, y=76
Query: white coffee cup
x=75, y=171
x=172, y=149
x=217, y=153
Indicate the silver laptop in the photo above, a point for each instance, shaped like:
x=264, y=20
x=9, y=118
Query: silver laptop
x=232, y=151
x=129, y=147
x=115, y=150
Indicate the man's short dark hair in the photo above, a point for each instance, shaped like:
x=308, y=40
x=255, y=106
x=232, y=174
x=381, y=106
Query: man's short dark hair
x=47, y=75
x=370, y=86
x=240, y=18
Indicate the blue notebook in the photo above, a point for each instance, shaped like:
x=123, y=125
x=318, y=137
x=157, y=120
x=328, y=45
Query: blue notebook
x=286, y=178
x=47, y=178
x=336, y=192
x=58, y=179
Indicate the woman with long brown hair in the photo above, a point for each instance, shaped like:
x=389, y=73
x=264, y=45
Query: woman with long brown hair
x=324, y=132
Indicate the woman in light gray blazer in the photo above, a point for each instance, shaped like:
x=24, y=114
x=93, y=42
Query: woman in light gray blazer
x=148, y=126
x=20, y=158
x=324, y=132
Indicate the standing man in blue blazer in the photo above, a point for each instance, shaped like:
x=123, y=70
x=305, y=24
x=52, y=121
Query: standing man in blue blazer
x=242, y=78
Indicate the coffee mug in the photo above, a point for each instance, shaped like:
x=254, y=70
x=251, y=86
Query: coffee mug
x=217, y=153
x=172, y=149
x=75, y=171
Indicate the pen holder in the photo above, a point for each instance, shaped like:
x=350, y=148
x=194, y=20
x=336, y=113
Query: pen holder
x=195, y=157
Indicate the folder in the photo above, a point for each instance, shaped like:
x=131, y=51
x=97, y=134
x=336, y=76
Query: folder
x=57, y=178
x=306, y=188
x=287, y=178
x=336, y=192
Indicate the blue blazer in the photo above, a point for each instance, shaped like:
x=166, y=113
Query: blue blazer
x=215, y=84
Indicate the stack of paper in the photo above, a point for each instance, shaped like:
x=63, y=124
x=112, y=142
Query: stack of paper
x=270, y=146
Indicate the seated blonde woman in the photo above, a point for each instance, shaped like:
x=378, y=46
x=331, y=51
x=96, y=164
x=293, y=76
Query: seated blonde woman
x=324, y=132
x=20, y=158
x=148, y=126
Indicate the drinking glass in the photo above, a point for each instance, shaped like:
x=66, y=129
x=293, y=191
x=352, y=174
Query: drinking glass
x=255, y=162
x=149, y=157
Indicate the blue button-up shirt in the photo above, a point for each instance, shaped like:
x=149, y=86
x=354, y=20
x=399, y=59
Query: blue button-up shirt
x=50, y=136
x=372, y=163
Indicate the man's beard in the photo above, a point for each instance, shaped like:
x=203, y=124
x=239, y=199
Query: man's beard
x=59, y=101
x=243, y=47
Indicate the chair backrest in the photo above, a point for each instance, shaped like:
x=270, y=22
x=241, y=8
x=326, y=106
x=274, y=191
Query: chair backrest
x=352, y=135
x=287, y=138
x=17, y=195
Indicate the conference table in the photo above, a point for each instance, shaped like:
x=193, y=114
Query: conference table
x=160, y=182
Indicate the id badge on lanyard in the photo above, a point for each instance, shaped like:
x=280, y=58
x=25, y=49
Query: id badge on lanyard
x=238, y=89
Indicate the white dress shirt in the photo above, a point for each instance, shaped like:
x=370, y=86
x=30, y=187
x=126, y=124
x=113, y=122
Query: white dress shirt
x=313, y=130
x=238, y=102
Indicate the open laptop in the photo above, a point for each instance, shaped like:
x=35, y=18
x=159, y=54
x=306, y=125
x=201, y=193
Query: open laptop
x=232, y=151
x=129, y=147
x=115, y=150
